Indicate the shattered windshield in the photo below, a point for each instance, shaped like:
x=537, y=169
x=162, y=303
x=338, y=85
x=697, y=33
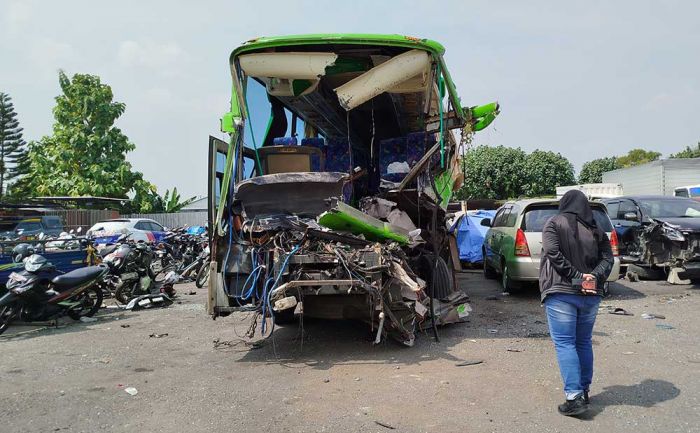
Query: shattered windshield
x=682, y=208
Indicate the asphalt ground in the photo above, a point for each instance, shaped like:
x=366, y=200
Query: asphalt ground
x=73, y=378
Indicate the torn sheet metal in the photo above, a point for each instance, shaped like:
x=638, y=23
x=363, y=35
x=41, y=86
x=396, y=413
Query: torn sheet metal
x=382, y=78
x=287, y=65
x=300, y=194
x=334, y=275
x=664, y=244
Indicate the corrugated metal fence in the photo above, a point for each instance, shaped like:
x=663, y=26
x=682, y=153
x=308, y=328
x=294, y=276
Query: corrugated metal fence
x=85, y=218
x=178, y=219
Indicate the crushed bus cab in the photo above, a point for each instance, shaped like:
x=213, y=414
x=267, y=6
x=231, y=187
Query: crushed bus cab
x=338, y=211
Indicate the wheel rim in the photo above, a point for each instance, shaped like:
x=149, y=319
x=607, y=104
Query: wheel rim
x=504, y=277
x=6, y=316
x=89, y=300
x=203, y=276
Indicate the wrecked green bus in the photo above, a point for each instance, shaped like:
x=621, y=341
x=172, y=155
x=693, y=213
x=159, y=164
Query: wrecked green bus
x=337, y=211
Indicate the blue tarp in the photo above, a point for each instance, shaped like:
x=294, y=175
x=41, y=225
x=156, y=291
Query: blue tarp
x=196, y=230
x=470, y=234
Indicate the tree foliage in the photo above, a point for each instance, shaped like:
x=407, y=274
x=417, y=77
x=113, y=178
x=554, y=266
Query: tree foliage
x=637, y=157
x=545, y=171
x=86, y=154
x=688, y=152
x=147, y=200
x=172, y=202
x=13, y=148
x=504, y=172
x=592, y=171
x=493, y=173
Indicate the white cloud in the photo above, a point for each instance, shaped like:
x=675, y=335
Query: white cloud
x=17, y=17
x=50, y=55
x=166, y=57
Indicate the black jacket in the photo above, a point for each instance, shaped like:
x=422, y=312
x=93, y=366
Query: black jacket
x=572, y=245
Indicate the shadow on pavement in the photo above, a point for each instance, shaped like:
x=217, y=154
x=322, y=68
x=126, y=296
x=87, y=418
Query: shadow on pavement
x=621, y=290
x=63, y=325
x=645, y=394
x=326, y=343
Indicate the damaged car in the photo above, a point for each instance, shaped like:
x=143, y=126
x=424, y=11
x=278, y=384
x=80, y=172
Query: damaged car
x=659, y=236
x=336, y=209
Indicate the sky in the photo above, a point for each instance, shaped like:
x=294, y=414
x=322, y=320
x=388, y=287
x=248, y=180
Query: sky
x=587, y=79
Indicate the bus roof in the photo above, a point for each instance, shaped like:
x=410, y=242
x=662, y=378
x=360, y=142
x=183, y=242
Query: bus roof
x=340, y=38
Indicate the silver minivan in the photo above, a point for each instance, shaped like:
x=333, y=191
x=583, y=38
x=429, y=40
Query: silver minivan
x=513, y=244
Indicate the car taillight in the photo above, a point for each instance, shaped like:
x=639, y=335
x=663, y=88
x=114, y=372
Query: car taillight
x=521, y=248
x=614, y=245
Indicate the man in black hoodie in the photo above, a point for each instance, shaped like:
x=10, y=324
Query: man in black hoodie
x=576, y=261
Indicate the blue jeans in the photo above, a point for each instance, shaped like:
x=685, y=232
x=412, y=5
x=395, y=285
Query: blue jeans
x=571, y=319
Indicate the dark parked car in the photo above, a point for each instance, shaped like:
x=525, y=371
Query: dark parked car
x=30, y=228
x=658, y=232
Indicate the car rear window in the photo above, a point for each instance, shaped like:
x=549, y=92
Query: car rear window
x=29, y=225
x=53, y=223
x=536, y=216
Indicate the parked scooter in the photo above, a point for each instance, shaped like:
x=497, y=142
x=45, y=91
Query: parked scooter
x=40, y=292
x=130, y=271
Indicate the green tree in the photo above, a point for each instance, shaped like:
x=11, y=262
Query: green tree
x=13, y=149
x=493, y=173
x=688, y=152
x=172, y=202
x=592, y=171
x=545, y=171
x=637, y=157
x=147, y=200
x=86, y=154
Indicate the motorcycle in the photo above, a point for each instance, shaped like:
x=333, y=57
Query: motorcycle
x=130, y=273
x=180, y=252
x=203, y=272
x=202, y=259
x=40, y=292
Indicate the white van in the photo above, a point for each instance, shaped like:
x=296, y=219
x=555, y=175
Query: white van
x=691, y=191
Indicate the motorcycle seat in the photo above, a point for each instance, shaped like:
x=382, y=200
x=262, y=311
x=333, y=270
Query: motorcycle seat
x=77, y=277
x=108, y=250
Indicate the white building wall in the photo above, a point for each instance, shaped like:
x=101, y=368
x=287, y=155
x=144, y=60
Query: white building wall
x=658, y=177
x=641, y=179
x=681, y=172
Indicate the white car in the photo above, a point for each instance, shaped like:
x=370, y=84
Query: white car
x=141, y=229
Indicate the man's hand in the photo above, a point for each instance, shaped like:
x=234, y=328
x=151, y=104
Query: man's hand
x=588, y=277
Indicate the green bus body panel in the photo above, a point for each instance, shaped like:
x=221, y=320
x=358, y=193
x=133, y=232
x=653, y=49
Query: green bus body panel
x=346, y=223
x=340, y=38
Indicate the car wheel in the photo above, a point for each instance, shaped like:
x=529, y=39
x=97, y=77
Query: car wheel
x=489, y=272
x=506, y=281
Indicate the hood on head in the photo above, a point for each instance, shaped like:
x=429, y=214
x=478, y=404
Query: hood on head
x=575, y=202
